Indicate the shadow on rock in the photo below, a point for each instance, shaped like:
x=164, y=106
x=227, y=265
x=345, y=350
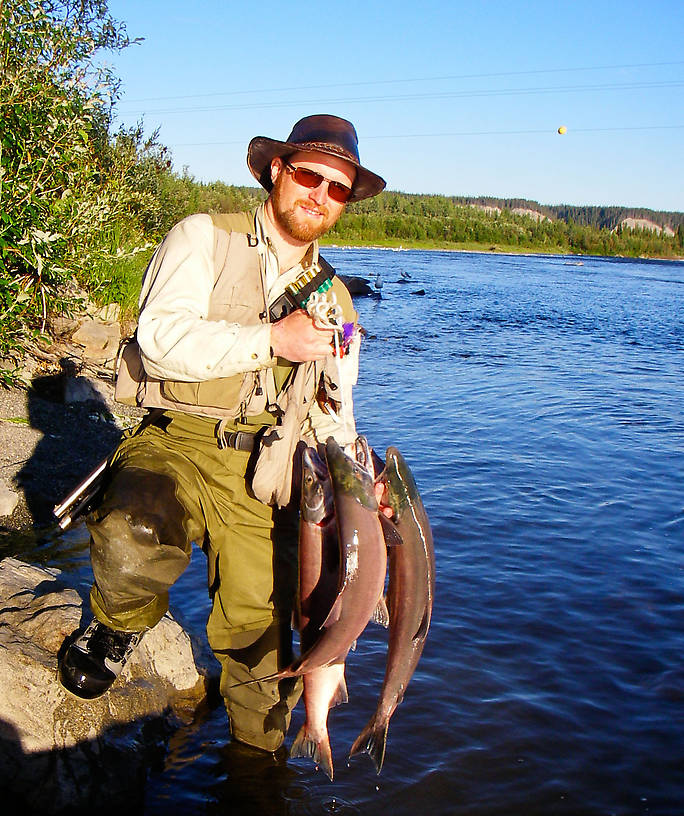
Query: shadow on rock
x=103, y=775
x=78, y=432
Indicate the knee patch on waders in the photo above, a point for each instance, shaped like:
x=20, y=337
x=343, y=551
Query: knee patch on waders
x=139, y=543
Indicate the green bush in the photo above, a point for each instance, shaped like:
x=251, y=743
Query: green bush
x=66, y=185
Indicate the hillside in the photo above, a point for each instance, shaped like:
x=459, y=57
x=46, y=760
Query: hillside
x=434, y=221
x=603, y=217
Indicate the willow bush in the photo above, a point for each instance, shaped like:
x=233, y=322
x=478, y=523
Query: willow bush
x=67, y=186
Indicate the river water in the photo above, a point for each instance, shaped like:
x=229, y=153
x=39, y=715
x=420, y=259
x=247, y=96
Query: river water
x=539, y=402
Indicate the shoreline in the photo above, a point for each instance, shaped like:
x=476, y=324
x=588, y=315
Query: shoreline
x=494, y=250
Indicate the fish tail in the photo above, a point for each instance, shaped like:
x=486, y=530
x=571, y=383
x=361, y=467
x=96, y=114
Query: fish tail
x=372, y=741
x=319, y=750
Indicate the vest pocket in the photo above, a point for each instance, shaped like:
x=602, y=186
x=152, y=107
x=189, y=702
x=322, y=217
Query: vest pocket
x=227, y=393
x=221, y=393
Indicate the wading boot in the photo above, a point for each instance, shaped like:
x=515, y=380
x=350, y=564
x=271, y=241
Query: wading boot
x=93, y=662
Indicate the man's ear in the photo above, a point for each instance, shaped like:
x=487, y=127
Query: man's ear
x=276, y=168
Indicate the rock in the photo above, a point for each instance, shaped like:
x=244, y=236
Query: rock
x=57, y=751
x=63, y=326
x=356, y=285
x=100, y=341
x=109, y=313
x=85, y=389
x=535, y=215
x=8, y=500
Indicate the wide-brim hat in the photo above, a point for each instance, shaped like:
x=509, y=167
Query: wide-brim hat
x=321, y=133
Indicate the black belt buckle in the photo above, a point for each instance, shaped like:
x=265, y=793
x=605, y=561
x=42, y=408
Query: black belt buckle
x=238, y=440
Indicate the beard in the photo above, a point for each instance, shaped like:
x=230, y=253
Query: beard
x=293, y=221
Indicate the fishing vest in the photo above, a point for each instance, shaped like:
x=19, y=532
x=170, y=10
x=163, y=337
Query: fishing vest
x=239, y=296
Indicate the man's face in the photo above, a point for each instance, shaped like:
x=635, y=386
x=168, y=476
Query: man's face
x=306, y=213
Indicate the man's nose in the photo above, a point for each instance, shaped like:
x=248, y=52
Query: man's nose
x=320, y=193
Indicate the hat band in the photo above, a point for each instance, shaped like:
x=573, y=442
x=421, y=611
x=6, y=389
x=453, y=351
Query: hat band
x=327, y=147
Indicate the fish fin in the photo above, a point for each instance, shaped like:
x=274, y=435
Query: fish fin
x=389, y=530
x=380, y=613
x=305, y=746
x=289, y=671
x=334, y=614
x=422, y=630
x=372, y=741
x=340, y=696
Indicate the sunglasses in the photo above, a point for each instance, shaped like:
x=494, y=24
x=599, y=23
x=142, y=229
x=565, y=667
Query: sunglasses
x=311, y=179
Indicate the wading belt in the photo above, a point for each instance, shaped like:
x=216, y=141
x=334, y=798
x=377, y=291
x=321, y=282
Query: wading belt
x=238, y=440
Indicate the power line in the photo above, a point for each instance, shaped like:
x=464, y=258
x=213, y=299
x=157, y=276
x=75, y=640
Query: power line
x=544, y=131
x=368, y=83
x=468, y=94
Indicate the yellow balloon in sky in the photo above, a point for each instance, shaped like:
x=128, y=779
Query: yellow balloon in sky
x=562, y=129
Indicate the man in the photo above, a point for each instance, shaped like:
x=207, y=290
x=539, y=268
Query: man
x=235, y=381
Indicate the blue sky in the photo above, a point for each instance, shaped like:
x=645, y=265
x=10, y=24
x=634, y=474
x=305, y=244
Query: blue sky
x=447, y=97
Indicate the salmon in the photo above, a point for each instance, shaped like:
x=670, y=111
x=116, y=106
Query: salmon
x=319, y=569
x=361, y=571
x=363, y=564
x=410, y=595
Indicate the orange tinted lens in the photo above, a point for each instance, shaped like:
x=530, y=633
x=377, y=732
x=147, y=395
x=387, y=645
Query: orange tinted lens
x=338, y=192
x=311, y=179
x=307, y=178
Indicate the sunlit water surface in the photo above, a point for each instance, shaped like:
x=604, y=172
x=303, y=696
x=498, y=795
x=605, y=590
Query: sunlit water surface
x=540, y=404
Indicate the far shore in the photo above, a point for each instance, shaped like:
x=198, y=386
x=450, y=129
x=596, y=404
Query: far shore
x=494, y=249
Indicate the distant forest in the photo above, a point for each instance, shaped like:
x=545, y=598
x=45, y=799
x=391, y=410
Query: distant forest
x=493, y=224
x=585, y=216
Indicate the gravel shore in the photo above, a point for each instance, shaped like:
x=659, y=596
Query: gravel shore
x=52, y=436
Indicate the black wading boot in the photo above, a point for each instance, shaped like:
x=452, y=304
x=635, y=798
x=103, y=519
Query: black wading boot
x=93, y=662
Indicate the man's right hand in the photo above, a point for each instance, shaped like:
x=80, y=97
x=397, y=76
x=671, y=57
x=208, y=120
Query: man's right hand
x=297, y=339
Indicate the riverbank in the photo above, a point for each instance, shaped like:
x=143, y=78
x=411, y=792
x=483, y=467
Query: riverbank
x=496, y=249
x=61, y=420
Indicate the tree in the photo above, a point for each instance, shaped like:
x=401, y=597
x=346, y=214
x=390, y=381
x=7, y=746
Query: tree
x=57, y=199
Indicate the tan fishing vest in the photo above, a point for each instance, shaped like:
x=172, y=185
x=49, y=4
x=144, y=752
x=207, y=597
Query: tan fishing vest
x=239, y=296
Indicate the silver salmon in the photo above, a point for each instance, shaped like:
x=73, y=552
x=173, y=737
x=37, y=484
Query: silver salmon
x=410, y=597
x=363, y=564
x=319, y=570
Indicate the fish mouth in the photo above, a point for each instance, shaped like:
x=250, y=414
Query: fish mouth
x=350, y=476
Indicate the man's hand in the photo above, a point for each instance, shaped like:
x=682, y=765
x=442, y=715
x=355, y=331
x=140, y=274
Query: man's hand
x=381, y=497
x=297, y=339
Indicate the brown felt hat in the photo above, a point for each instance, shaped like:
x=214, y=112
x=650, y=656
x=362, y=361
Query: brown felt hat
x=321, y=133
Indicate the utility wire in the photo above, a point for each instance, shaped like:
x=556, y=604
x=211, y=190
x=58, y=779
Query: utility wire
x=543, y=131
x=406, y=80
x=468, y=94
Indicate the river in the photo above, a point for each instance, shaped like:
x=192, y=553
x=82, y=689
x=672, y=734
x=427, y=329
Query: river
x=539, y=402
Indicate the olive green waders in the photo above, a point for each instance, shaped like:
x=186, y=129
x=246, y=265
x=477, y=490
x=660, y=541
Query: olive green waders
x=172, y=485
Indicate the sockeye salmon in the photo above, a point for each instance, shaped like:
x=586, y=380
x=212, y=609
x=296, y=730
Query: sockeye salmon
x=363, y=564
x=319, y=570
x=410, y=596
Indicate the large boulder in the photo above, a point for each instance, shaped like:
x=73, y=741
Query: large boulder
x=57, y=751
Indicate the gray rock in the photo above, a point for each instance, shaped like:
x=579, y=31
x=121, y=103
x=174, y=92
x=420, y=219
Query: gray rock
x=56, y=750
x=85, y=389
x=8, y=500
